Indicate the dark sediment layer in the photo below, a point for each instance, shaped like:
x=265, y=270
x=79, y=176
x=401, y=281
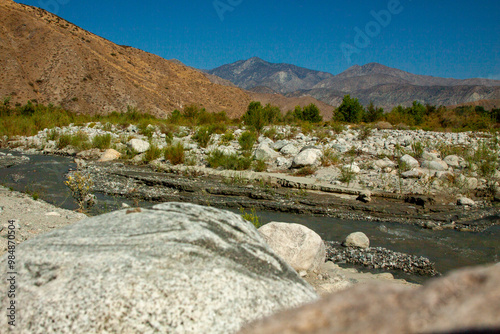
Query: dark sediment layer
x=380, y=258
x=144, y=184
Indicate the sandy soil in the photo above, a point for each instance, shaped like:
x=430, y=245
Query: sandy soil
x=31, y=217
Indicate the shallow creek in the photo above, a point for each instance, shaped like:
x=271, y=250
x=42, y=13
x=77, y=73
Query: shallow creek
x=449, y=249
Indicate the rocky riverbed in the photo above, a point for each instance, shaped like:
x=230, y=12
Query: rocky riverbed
x=432, y=180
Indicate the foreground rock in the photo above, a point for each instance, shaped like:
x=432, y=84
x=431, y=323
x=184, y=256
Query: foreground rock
x=464, y=301
x=299, y=246
x=178, y=268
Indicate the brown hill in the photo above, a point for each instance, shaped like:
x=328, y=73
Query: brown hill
x=46, y=58
x=487, y=104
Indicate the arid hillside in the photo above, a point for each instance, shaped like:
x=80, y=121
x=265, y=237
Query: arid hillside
x=46, y=58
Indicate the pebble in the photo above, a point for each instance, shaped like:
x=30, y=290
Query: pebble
x=380, y=258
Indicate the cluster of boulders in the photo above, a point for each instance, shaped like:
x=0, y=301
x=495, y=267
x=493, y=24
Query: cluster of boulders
x=387, y=160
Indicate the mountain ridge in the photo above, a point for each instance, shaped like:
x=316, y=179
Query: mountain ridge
x=385, y=86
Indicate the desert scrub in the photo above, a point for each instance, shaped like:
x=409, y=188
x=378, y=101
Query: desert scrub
x=175, y=154
x=337, y=127
x=53, y=134
x=102, y=142
x=365, y=132
x=259, y=166
x=270, y=133
x=417, y=150
x=146, y=129
x=329, y=158
x=80, y=141
x=305, y=171
x=128, y=153
x=247, y=140
x=152, y=153
x=227, y=137
x=251, y=216
x=346, y=174
x=485, y=158
x=446, y=150
x=202, y=136
x=217, y=159
x=80, y=184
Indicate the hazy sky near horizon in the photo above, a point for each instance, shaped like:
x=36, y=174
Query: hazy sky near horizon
x=446, y=38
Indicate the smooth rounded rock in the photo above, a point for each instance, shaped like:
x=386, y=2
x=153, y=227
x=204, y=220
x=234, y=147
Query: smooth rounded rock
x=357, y=239
x=264, y=152
x=438, y=165
x=109, y=155
x=410, y=161
x=299, y=246
x=138, y=145
x=307, y=157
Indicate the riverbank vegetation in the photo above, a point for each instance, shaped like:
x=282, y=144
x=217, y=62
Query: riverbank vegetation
x=29, y=119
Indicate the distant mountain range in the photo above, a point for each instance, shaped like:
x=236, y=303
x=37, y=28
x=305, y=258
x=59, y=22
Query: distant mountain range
x=385, y=86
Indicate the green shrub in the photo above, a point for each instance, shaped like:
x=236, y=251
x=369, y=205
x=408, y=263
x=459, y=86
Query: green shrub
x=337, y=127
x=329, y=158
x=80, y=141
x=350, y=110
x=175, y=154
x=259, y=166
x=53, y=135
x=63, y=141
x=417, y=149
x=346, y=174
x=227, y=137
x=271, y=133
x=217, y=159
x=152, y=153
x=202, y=136
x=102, y=142
x=305, y=171
x=247, y=140
x=251, y=217
x=257, y=116
x=309, y=113
x=145, y=128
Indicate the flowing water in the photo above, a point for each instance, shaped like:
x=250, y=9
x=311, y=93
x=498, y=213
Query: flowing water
x=449, y=249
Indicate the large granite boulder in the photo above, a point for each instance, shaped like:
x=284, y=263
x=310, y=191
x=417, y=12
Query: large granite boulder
x=299, y=246
x=466, y=301
x=264, y=152
x=138, y=145
x=176, y=268
x=409, y=161
x=307, y=157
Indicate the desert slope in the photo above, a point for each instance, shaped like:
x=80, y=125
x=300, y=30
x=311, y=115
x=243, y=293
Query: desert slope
x=46, y=58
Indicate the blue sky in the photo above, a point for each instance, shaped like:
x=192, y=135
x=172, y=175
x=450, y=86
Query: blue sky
x=446, y=38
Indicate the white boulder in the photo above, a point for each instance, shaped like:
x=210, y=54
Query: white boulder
x=299, y=246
